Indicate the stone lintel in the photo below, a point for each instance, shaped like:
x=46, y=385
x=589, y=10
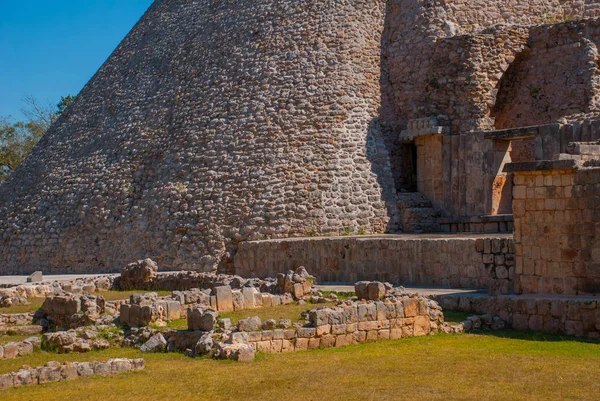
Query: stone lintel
x=541, y=165
x=517, y=133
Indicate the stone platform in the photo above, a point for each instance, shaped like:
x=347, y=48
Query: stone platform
x=434, y=260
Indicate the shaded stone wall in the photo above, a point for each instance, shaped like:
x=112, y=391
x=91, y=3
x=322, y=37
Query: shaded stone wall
x=574, y=316
x=556, y=240
x=210, y=124
x=445, y=262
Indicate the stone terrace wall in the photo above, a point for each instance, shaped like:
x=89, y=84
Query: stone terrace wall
x=557, y=243
x=211, y=123
x=351, y=324
x=447, y=262
x=576, y=316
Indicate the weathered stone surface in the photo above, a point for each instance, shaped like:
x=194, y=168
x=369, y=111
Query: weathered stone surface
x=224, y=297
x=35, y=277
x=199, y=318
x=204, y=345
x=138, y=275
x=249, y=324
x=156, y=343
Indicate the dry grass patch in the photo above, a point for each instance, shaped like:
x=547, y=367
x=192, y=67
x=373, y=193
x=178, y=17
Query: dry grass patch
x=34, y=304
x=15, y=338
x=442, y=367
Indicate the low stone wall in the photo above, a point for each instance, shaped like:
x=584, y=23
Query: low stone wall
x=14, y=350
x=551, y=314
x=14, y=319
x=18, y=294
x=55, y=372
x=444, y=261
x=350, y=323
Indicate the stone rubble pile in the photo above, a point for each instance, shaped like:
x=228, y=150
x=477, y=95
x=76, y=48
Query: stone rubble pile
x=55, y=372
x=80, y=340
x=72, y=311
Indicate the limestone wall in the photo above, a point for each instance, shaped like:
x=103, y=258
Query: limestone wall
x=415, y=27
x=556, y=239
x=556, y=76
x=351, y=324
x=455, y=262
x=575, y=316
x=55, y=372
x=210, y=124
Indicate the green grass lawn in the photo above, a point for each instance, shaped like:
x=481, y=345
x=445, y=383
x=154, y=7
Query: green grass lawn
x=34, y=304
x=509, y=366
x=455, y=317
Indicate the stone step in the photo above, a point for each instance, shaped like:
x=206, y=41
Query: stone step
x=417, y=214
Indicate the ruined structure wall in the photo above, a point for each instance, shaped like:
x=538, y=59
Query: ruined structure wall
x=415, y=26
x=445, y=262
x=556, y=76
x=556, y=240
x=211, y=123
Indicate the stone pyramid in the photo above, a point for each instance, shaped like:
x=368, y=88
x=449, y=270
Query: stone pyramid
x=213, y=122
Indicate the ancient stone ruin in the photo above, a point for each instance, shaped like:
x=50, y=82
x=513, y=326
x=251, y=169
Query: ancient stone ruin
x=450, y=144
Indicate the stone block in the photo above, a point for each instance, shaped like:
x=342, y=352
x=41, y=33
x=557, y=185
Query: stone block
x=361, y=289
x=319, y=317
x=173, y=310
x=238, y=300
x=314, y=343
x=68, y=371
x=203, y=319
x=224, y=297
x=263, y=346
x=85, y=369
x=411, y=307
x=48, y=374
x=301, y=344
x=35, y=277
x=249, y=297
x=11, y=350
x=307, y=332
x=287, y=346
x=6, y=381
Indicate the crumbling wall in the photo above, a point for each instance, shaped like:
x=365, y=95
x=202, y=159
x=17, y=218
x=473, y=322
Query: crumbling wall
x=415, y=26
x=555, y=77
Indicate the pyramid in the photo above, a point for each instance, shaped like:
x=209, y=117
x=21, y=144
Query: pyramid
x=213, y=122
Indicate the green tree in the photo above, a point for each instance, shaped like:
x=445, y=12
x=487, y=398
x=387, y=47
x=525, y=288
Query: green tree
x=18, y=138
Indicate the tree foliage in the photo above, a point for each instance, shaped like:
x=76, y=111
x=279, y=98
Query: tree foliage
x=17, y=139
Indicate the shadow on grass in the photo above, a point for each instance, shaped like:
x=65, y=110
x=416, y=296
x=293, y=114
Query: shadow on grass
x=533, y=336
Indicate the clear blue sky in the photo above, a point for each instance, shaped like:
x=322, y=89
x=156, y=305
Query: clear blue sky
x=52, y=48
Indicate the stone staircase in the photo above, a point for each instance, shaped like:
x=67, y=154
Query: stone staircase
x=417, y=214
